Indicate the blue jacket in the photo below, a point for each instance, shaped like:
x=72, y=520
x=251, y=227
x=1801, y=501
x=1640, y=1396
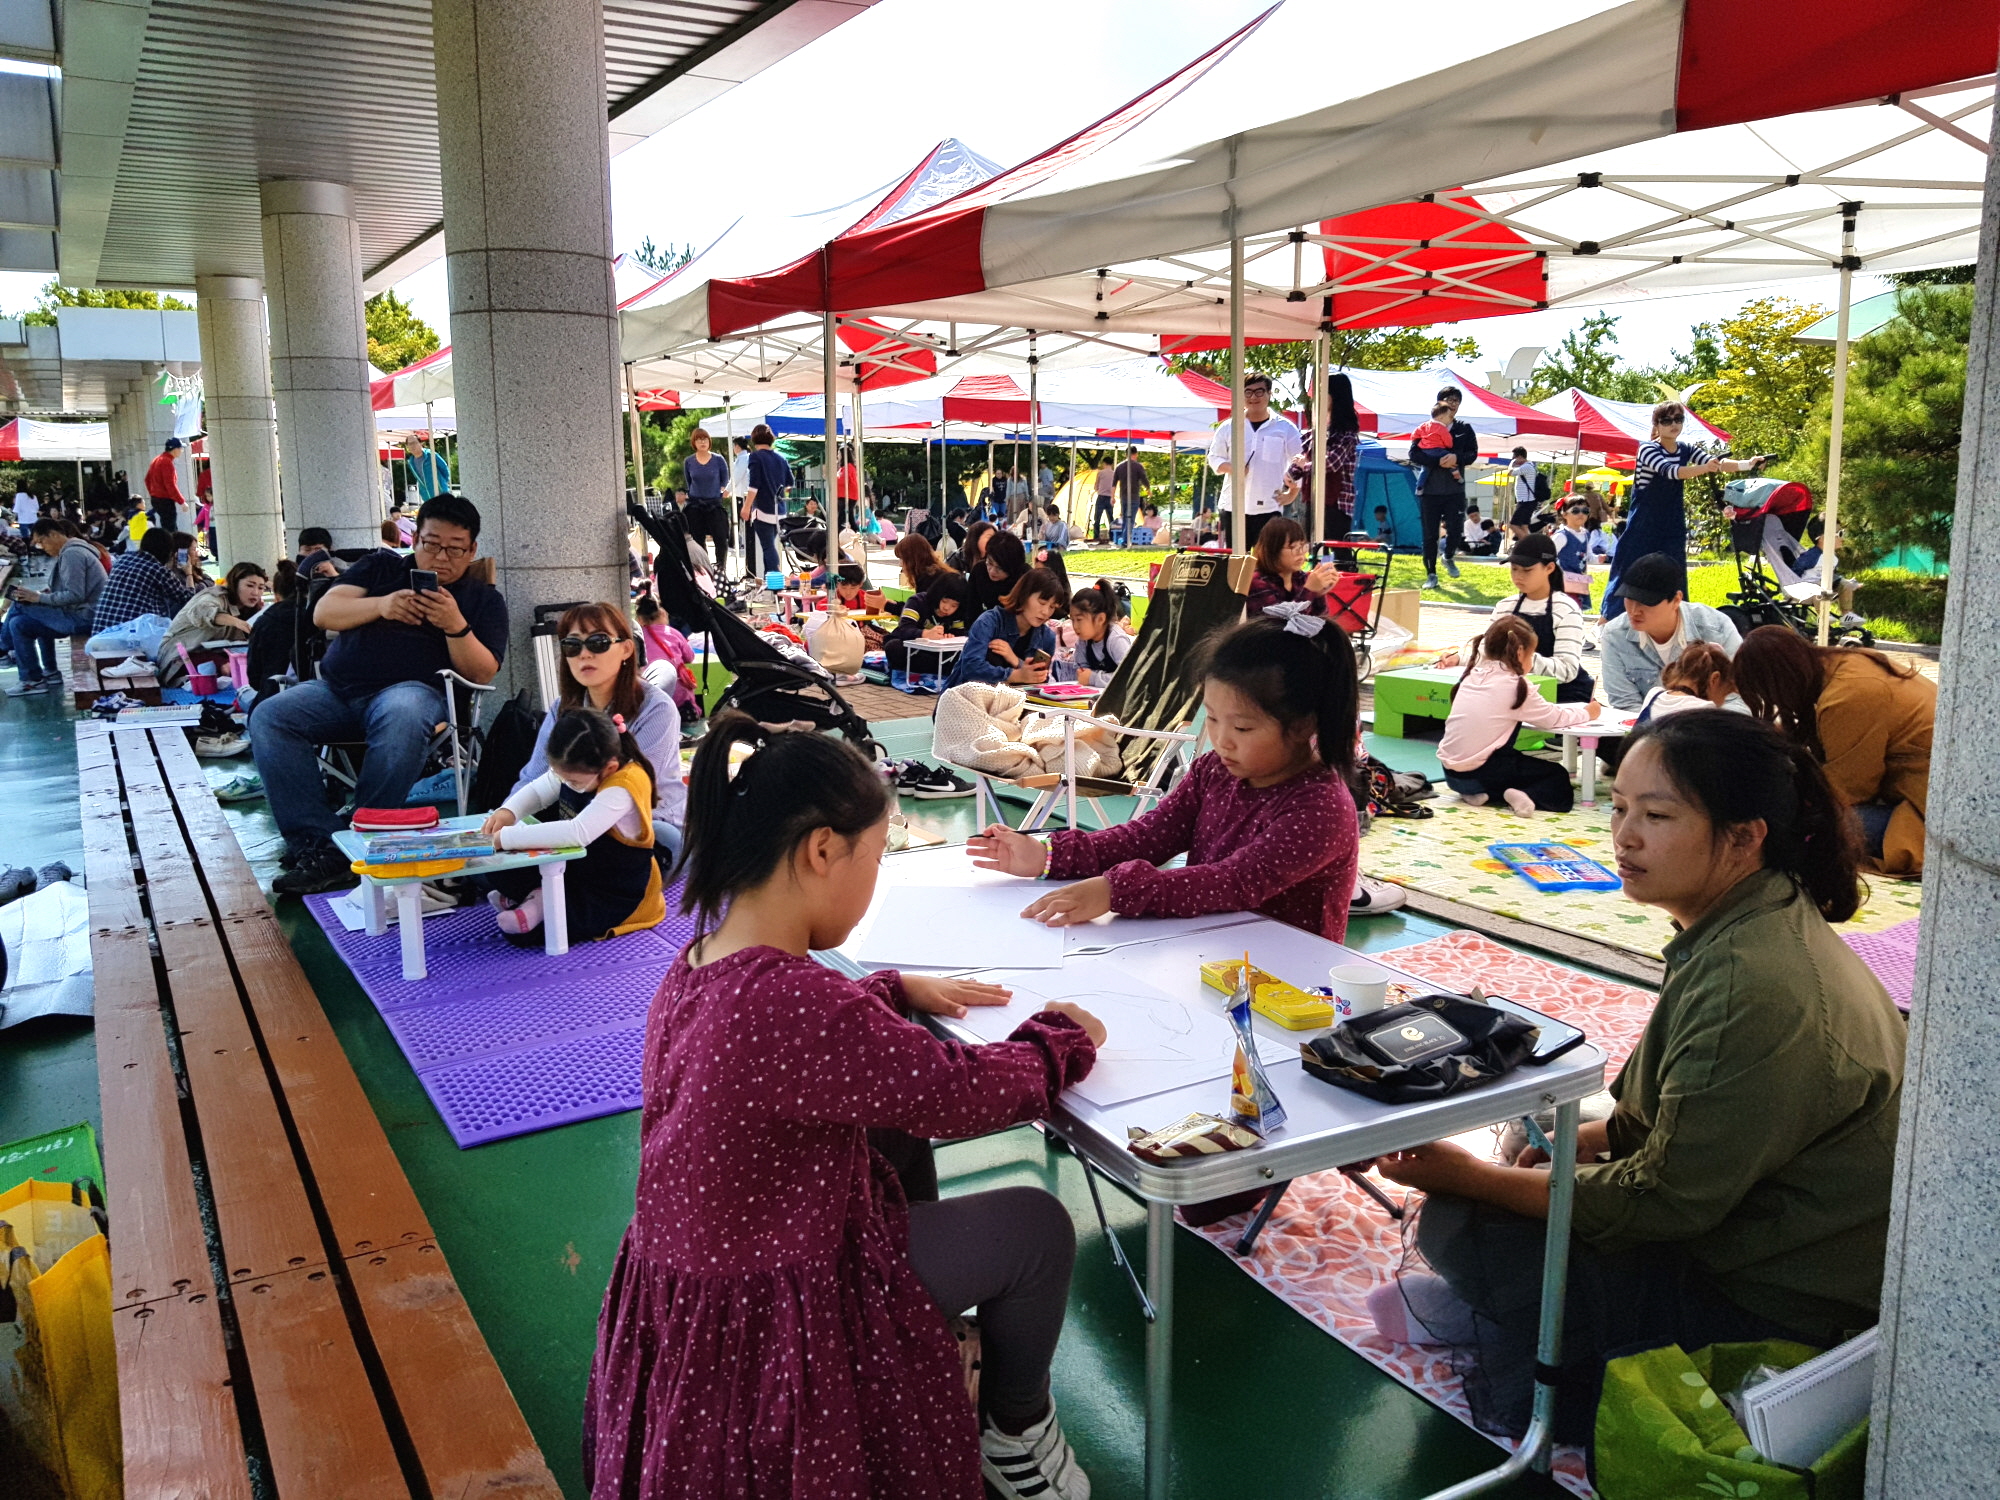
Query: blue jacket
x=996, y=625
x=1632, y=662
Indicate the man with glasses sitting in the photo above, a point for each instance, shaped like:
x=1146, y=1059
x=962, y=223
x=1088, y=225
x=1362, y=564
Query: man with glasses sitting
x=379, y=683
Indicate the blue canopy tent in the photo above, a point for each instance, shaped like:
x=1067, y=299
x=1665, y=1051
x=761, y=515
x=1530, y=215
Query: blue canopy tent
x=1380, y=481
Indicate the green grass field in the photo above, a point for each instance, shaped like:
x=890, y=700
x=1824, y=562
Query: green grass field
x=1482, y=581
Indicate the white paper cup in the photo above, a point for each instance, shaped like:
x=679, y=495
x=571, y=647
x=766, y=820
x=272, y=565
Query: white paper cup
x=1359, y=989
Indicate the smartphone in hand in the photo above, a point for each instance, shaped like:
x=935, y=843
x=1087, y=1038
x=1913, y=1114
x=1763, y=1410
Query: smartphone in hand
x=423, y=580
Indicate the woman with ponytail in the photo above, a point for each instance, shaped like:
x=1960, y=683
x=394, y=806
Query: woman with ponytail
x=1264, y=818
x=776, y=1321
x=1739, y=1190
x=602, y=784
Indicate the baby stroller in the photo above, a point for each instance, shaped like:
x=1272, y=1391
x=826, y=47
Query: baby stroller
x=770, y=687
x=1767, y=527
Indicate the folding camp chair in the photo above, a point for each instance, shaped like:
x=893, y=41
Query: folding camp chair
x=455, y=744
x=1066, y=788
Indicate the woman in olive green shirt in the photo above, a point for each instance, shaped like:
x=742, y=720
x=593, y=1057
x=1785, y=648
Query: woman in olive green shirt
x=1740, y=1188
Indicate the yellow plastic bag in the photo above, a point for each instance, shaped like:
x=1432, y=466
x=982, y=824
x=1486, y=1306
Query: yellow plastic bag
x=58, y=1365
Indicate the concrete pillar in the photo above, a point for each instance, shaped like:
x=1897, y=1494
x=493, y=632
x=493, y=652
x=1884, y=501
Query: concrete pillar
x=241, y=420
x=1936, y=1429
x=131, y=439
x=319, y=360
x=534, y=331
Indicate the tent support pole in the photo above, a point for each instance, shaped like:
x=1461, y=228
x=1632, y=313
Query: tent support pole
x=829, y=372
x=632, y=432
x=860, y=471
x=1831, y=539
x=736, y=527
x=1034, y=431
x=1319, y=400
x=1239, y=478
x=944, y=462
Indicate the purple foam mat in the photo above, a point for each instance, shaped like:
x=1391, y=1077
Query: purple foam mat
x=508, y=1040
x=1892, y=954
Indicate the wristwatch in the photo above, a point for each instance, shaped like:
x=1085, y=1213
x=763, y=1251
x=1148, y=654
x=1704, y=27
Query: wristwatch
x=458, y=635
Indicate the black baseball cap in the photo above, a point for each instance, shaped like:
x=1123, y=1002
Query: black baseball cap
x=1653, y=579
x=1536, y=549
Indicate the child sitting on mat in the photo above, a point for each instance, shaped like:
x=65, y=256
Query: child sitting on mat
x=776, y=1320
x=1265, y=817
x=1700, y=677
x=603, y=784
x=1092, y=643
x=1491, y=700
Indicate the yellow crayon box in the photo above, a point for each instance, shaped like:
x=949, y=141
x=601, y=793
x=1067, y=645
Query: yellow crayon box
x=1224, y=972
x=1291, y=1007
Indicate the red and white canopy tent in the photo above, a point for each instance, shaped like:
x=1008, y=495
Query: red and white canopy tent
x=26, y=441
x=1619, y=427
x=1662, y=184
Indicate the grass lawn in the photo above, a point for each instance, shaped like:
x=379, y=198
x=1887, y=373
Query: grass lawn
x=1483, y=581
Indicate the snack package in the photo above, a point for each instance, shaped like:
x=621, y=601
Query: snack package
x=1253, y=1103
x=1197, y=1135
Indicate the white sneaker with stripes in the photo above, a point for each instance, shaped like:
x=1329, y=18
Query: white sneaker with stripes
x=1037, y=1465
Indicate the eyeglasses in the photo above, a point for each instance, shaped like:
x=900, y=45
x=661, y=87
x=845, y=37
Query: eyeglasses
x=596, y=643
x=439, y=549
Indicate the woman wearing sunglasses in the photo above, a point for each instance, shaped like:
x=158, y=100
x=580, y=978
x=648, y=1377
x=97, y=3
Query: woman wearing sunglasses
x=601, y=663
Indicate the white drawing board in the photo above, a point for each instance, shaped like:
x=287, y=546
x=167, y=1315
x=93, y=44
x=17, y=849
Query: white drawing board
x=955, y=927
x=1153, y=1042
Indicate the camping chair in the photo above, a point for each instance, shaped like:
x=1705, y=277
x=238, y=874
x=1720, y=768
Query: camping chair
x=1066, y=787
x=455, y=744
x=774, y=689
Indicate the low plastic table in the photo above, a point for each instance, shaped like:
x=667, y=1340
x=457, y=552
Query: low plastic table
x=1425, y=693
x=409, y=891
x=1606, y=726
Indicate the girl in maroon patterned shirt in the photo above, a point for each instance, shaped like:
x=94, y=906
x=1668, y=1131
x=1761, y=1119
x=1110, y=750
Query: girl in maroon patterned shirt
x=1264, y=818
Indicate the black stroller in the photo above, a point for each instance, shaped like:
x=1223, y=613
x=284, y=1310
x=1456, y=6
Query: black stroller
x=770, y=687
x=1768, y=521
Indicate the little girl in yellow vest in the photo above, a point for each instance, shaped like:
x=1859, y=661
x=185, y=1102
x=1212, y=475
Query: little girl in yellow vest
x=602, y=785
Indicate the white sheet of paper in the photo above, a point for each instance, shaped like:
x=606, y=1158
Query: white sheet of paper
x=1152, y=1043
x=957, y=927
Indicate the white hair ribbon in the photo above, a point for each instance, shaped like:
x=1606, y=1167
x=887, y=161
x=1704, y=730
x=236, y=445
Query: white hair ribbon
x=1298, y=618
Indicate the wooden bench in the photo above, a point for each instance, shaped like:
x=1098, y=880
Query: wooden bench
x=86, y=683
x=281, y=1305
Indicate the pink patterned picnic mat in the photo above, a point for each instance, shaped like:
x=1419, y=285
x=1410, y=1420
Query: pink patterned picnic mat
x=1892, y=954
x=1327, y=1247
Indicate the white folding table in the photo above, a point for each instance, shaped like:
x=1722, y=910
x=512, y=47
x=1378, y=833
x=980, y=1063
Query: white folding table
x=1327, y=1128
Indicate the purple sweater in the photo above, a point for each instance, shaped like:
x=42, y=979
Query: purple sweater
x=1288, y=851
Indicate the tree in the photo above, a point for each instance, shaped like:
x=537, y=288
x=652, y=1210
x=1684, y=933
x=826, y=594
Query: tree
x=1587, y=359
x=1413, y=348
x=1899, y=450
x=660, y=261
x=1769, y=384
x=396, y=336
x=1942, y=276
x=54, y=295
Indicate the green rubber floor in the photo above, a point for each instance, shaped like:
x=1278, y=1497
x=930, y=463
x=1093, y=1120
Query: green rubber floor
x=1264, y=1402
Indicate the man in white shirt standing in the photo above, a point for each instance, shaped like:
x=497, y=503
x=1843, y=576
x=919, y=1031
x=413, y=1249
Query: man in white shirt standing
x=1272, y=443
x=1525, y=500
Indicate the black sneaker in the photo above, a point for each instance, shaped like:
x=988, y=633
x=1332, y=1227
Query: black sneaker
x=912, y=772
x=937, y=785
x=320, y=868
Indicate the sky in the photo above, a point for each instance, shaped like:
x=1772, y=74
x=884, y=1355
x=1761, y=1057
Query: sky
x=907, y=73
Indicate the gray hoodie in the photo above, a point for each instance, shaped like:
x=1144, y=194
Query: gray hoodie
x=77, y=580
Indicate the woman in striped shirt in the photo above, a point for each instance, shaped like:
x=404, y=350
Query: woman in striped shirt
x=1656, y=521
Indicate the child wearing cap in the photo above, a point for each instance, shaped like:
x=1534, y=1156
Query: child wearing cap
x=1573, y=553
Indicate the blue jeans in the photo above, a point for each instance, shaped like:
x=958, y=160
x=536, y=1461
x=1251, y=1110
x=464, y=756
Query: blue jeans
x=32, y=631
x=289, y=727
x=764, y=534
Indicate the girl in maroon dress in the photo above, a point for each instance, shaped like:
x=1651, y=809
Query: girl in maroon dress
x=775, y=1323
x=1265, y=817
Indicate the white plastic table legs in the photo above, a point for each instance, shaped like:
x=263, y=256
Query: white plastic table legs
x=410, y=923
x=372, y=908
x=555, y=915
